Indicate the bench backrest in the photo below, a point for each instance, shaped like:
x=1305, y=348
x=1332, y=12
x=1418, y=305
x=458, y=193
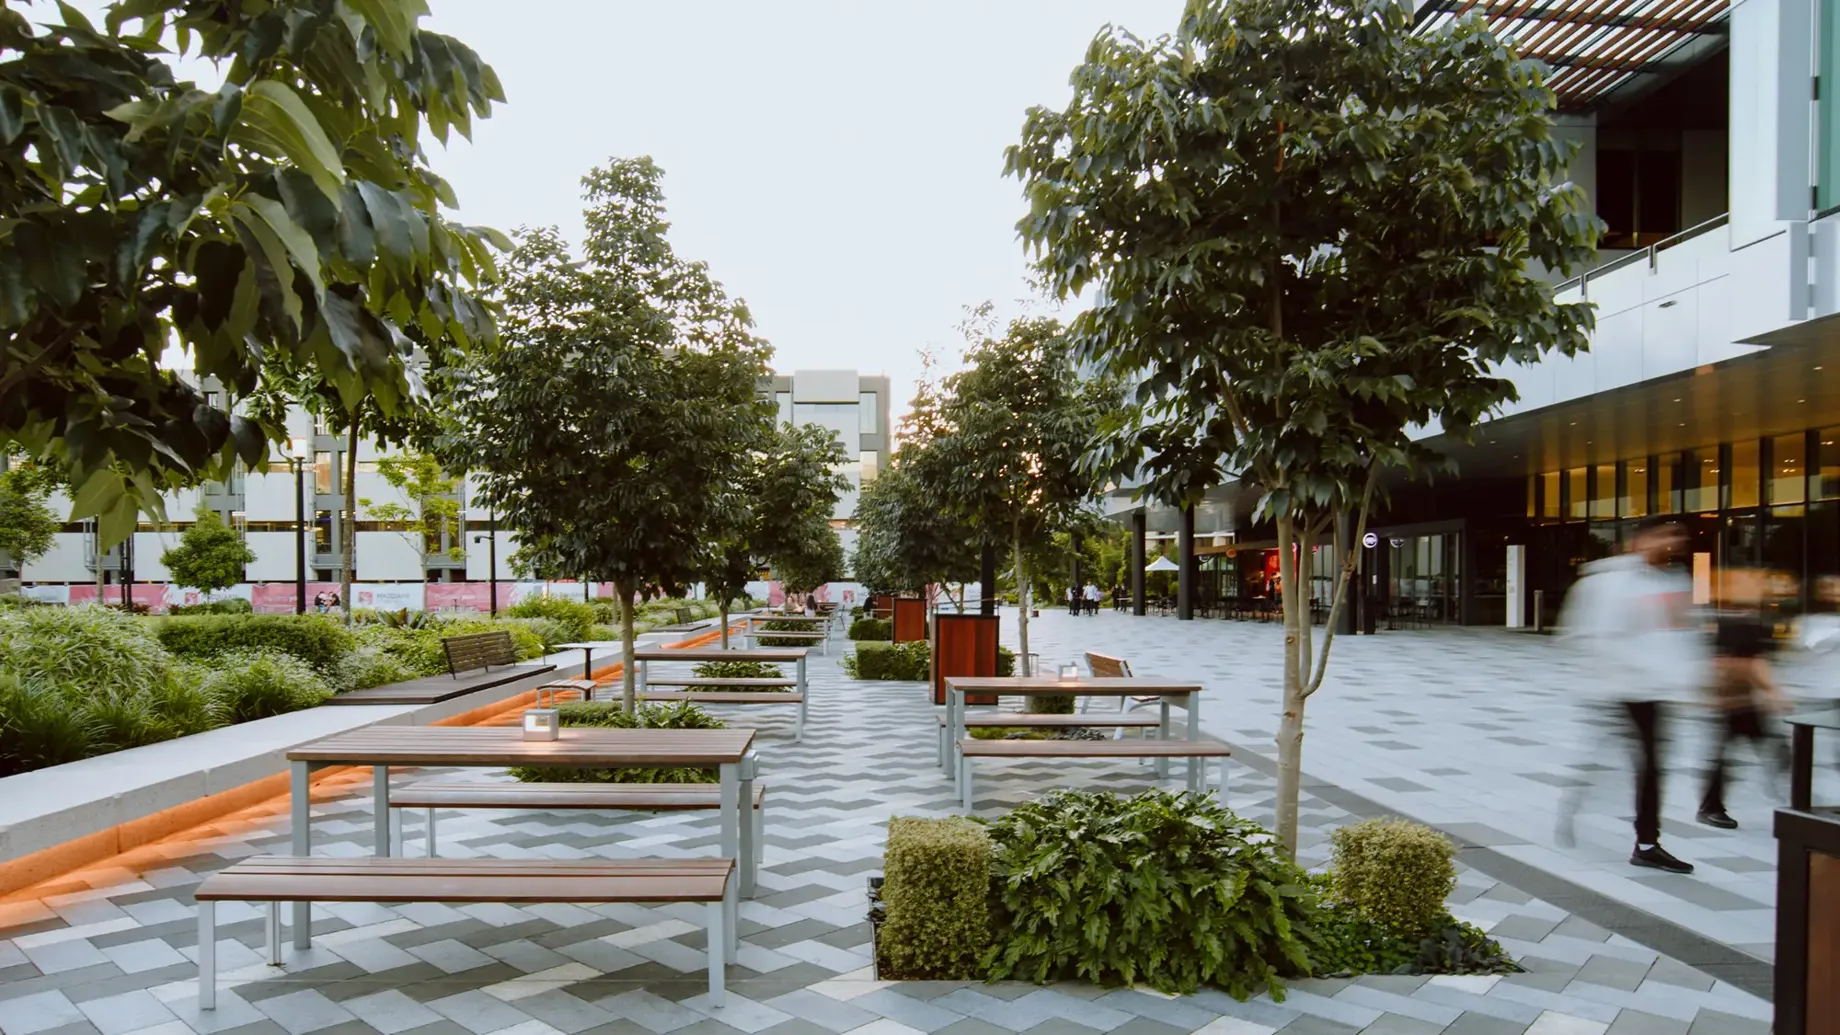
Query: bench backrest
x=478, y=650
x=1105, y=666
x=682, y=615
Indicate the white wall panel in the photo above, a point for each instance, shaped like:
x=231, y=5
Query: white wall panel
x=479, y=556
x=1770, y=101
x=1617, y=347
x=66, y=561
x=820, y=386
x=388, y=557
x=148, y=546
x=1574, y=377
x=269, y=496
x=274, y=556
x=1670, y=334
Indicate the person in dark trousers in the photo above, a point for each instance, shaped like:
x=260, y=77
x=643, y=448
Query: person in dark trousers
x=1744, y=690
x=1631, y=617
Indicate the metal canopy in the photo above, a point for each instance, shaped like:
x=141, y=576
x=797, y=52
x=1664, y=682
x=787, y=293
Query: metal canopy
x=1590, y=46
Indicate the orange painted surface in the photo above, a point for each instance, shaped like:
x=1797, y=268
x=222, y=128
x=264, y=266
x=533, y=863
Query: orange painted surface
x=122, y=853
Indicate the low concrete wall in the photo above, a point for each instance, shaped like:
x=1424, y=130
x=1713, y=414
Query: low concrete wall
x=56, y=819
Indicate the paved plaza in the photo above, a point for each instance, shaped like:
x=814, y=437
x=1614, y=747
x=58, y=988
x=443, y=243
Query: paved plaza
x=109, y=950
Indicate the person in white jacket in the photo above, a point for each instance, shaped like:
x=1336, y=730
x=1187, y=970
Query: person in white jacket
x=1631, y=617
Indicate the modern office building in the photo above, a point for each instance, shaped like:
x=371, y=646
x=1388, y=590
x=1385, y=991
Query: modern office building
x=1710, y=147
x=854, y=406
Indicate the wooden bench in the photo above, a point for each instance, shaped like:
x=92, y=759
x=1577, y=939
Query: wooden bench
x=730, y=697
x=277, y=879
x=969, y=749
x=478, y=650
x=620, y=797
x=584, y=687
x=1031, y=720
x=1104, y=666
x=820, y=636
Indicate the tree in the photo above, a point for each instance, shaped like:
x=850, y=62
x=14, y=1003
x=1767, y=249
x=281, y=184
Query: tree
x=287, y=216
x=429, y=512
x=28, y=527
x=905, y=540
x=210, y=556
x=1312, y=232
x=1017, y=424
x=782, y=487
x=605, y=422
x=810, y=560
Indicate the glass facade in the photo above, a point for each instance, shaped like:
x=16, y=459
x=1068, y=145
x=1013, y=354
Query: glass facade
x=869, y=410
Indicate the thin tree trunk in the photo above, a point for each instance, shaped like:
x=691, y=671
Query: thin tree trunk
x=1290, y=726
x=1022, y=599
x=724, y=623
x=628, y=695
x=348, y=545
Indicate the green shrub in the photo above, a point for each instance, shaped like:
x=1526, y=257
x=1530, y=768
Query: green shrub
x=82, y=652
x=367, y=666
x=1051, y=704
x=936, y=890
x=38, y=728
x=605, y=632
x=738, y=670
x=1395, y=873
x=1349, y=944
x=680, y=716
x=548, y=632
x=909, y=661
x=606, y=611
x=263, y=682
x=772, y=625
x=117, y=722
x=1006, y=662
x=232, y=606
x=576, y=616
x=183, y=703
x=315, y=639
x=871, y=629
x=1170, y=890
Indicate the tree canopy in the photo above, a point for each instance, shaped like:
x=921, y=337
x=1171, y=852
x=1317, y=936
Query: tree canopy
x=28, y=526
x=1312, y=231
x=210, y=556
x=605, y=421
x=287, y=215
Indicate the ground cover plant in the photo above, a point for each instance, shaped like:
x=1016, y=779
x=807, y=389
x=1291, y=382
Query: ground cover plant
x=680, y=716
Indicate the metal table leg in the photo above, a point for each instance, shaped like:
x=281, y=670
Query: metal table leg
x=301, y=807
x=380, y=805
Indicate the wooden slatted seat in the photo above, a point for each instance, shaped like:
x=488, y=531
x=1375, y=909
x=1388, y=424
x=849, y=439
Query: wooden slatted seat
x=730, y=697
x=623, y=797
x=584, y=687
x=478, y=650
x=276, y=879
x=1031, y=720
x=738, y=681
x=1204, y=748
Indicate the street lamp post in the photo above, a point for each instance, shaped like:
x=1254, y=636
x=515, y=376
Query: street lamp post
x=491, y=538
x=297, y=467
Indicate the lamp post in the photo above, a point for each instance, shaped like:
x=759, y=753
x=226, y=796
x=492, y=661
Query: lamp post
x=297, y=463
x=491, y=538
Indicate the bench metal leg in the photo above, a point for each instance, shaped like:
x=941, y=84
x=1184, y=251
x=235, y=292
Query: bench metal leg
x=964, y=781
x=207, y=955
x=1162, y=764
x=273, y=931
x=760, y=835
x=428, y=837
x=1222, y=792
x=718, y=942
x=804, y=700
x=397, y=822
x=942, y=746
x=302, y=845
x=380, y=808
x=747, y=851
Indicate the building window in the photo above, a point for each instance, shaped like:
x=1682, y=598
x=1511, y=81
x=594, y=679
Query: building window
x=868, y=408
x=1577, y=493
x=1827, y=457
x=784, y=401
x=1549, y=496
x=1668, y=484
x=1603, y=493
x=1744, y=477
x=869, y=466
x=1633, y=502
x=1789, y=469
x=839, y=417
x=1533, y=496
x=322, y=472
x=1702, y=480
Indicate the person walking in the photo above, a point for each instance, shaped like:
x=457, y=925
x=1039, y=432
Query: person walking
x=1073, y=600
x=1744, y=690
x=1631, y=618
x=1093, y=596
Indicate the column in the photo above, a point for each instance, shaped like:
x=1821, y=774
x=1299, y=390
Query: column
x=1186, y=578
x=1351, y=600
x=1140, y=529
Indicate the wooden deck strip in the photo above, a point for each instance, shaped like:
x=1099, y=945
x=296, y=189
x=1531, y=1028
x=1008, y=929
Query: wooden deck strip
x=506, y=746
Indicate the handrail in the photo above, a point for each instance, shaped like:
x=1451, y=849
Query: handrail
x=1583, y=280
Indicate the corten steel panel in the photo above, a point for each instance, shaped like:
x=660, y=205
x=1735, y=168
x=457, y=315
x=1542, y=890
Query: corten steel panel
x=964, y=645
x=909, y=620
x=1823, y=1017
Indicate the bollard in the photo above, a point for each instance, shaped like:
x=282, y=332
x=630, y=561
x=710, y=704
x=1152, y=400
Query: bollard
x=1539, y=610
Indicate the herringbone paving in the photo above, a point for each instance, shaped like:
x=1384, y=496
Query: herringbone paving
x=110, y=950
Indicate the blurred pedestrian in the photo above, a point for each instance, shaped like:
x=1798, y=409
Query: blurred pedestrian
x=1744, y=690
x=1093, y=596
x=1631, y=618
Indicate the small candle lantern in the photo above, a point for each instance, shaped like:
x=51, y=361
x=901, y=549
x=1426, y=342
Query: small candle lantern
x=543, y=722
x=1070, y=672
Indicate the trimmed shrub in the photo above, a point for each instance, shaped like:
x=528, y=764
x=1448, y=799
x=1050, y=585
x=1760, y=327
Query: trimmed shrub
x=317, y=640
x=368, y=666
x=872, y=629
x=1006, y=662
x=1170, y=890
x=575, y=616
x=1056, y=704
x=738, y=670
x=258, y=683
x=1395, y=873
x=81, y=652
x=232, y=606
x=772, y=625
x=908, y=661
x=680, y=716
x=936, y=890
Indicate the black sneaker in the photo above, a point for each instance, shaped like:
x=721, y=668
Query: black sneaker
x=1718, y=818
x=1656, y=857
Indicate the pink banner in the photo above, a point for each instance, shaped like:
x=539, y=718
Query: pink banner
x=466, y=596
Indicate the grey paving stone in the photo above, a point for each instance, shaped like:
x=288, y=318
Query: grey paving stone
x=1613, y=973
x=1308, y=1025
x=1393, y=1024
x=1673, y=972
x=1483, y=1024
x=1714, y=1022
x=1635, y=1022
x=1523, y=928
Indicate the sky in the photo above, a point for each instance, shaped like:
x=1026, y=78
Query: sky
x=838, y=164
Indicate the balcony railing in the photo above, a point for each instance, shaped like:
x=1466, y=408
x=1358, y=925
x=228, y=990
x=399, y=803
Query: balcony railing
x=1648, y=255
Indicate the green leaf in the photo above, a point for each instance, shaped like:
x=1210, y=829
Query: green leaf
x=12, y=114
x=274, y=253
x=299, y=243
x=274, y=112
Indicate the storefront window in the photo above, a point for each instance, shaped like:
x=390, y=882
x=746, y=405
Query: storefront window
x=1577, y=493
x=1633, y=502
x=1667, y=484
x=1603, y=493
x=1788, y=469
x=1827, y=454
x=1702, y=477
x=1744, y=479
x=1549, y=496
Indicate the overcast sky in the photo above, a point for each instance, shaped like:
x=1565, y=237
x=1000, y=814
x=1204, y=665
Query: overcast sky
x=838, y=164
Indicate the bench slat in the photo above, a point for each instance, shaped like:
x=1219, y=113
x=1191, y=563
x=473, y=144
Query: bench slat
x=657, y=797
x=478, y=650
x=719, y=697
x=1094, y=749
x=373, y=879
x=753, y=681
x=1107, y=721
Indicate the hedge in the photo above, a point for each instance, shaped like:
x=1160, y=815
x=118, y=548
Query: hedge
x=316, y=640
x=910, y=661
x=872, y=629
x=936, y=890
x=1395, y=873
x=574, y=616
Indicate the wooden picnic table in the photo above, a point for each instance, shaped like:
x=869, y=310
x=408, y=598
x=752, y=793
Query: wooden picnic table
x=729, y=751
x=1166, y=691
x=587, y=653
x=816, y=624
x=643, y=659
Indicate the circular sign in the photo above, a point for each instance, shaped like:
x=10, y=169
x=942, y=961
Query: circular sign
x=1398, y=541
x=1370, y=540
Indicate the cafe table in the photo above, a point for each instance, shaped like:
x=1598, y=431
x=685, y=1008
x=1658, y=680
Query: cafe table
x=729, y=751
x=1166, y=691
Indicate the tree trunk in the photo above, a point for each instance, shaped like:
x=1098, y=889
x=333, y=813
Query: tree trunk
x=628, y=696
x=348, y=545
x=724, y=623
x=1290, y=726
x=1022, y=600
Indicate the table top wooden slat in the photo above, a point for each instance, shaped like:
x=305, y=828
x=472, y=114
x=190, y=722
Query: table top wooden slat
x=1094, y=748
x=371, y=879
x=1102, y=687
x=1104, y=719
x=722, y=697
x=718, y=654
x=740, y=681
x=814, y=619
x=659, y=797
x=506, y=746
